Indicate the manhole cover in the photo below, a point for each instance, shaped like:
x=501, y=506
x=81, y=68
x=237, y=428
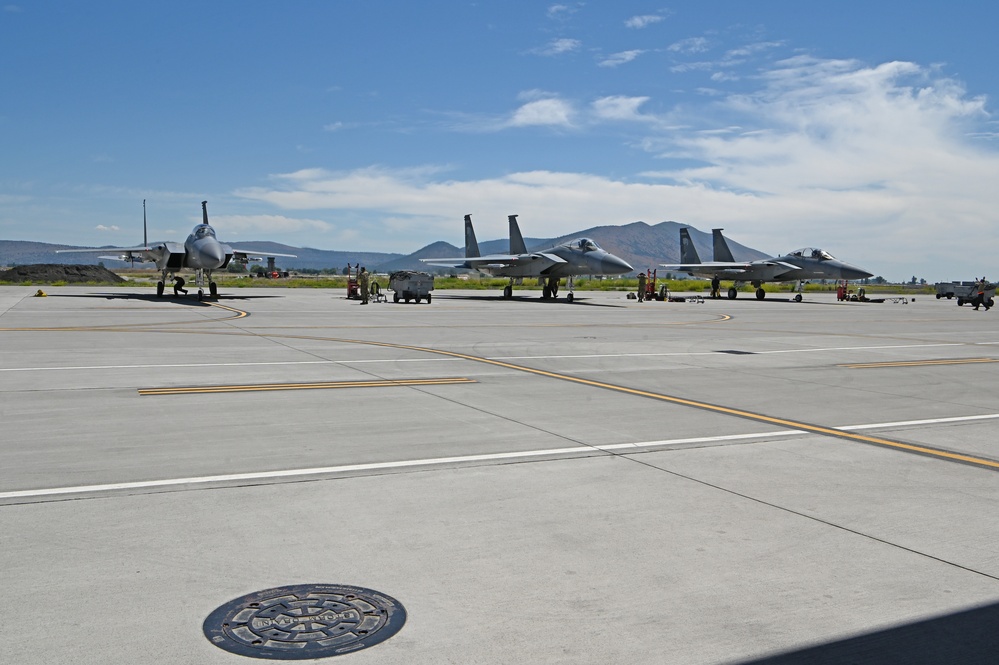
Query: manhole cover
x=305, y=621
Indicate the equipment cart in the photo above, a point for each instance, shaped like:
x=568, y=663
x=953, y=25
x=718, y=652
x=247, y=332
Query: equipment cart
x=409, y=285
x=966, y=292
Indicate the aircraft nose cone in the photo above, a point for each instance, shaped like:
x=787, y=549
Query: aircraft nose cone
x=612, y=265
x=211, y=254
x=853, y=272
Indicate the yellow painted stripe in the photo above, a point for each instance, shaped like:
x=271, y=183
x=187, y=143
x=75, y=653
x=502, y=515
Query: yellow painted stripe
x=326, y=385
x=739, y=413
x=921, y=363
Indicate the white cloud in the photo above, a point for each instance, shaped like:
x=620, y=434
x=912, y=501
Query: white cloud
x=546, y=111
x=558, y=47
x=621, y=58
x=874, y=163
x=689, y=45
x=619, y=108
x=271, y=225
x=102, y=228
x=639, y=22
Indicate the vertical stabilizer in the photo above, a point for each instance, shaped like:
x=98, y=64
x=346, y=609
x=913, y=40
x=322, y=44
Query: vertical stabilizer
x=471, y=246
x=687, y=252
x=204, y=211
x=145, y=233
x=517, y=245
x=722, y=252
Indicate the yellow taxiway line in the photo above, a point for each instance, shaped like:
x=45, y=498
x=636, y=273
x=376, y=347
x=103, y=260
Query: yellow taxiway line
x=707, y=406
x=323, y=385
x=920, y=363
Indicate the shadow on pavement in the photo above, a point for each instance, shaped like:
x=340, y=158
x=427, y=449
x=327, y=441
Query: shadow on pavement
x=970, y=637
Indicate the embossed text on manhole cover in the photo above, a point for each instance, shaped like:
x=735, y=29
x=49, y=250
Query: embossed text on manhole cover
x=305, y=621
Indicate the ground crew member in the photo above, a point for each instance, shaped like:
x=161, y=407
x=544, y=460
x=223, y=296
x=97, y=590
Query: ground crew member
x=980, y=294
x=178, y=285
x=641, y=286
x=715, y=283
x=362, y=280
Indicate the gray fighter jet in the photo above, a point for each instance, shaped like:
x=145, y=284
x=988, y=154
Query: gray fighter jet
x=201, y=252
x=577, y=257
x=798, y=266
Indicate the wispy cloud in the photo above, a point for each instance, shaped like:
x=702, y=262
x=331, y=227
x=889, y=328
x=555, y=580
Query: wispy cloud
x=644, y=21
x=558, y=47
x=689, y=45
x=269, y=224
x=616, y=59
x=620, y=108
x=832, y=153
x=103, y=228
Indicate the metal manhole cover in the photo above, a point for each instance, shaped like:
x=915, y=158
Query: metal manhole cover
x=305, y=621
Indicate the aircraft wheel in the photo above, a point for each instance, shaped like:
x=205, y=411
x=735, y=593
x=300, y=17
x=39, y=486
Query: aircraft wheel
x=760, y=294
x=214, y=289
x=201, y=294
x=395, y=297
x=732, y=293
x=507, y=291
x=797, y=297
x=159, y=289
x=568, y=298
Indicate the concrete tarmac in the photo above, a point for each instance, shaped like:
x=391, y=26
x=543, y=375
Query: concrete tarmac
x=605, y=481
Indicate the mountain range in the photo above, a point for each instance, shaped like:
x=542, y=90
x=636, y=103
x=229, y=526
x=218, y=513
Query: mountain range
x=642, y=245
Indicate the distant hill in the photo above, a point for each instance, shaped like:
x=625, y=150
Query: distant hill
x=641, y=245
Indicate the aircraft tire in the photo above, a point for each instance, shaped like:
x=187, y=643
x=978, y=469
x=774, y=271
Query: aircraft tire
x=797, y=297
x=732, y=293
x=159, y=289
x=760, y=294
x=201, y=294
x=568, y=298
x=213, y=288
x=395, y=297
x=507, y=291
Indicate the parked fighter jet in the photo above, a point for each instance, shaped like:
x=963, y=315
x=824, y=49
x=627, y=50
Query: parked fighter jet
x=201, y=251
x=798, y=266
x=577, y=257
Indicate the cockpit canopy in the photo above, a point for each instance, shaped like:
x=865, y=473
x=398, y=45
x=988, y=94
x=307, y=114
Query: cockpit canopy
x=203, y=231
x=812, y=253
x=583, y=244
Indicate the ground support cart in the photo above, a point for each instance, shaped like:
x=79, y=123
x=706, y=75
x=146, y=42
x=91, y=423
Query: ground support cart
x=966, y=292
x=408, y=285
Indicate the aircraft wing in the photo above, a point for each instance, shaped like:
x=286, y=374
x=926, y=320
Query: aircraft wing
x=245, y=254
x=447, y=263
x=762, y=270
x=710, y=268
x=140, y=254
x=498, y=261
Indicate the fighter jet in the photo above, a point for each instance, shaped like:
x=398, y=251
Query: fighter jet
x=577, y=257
x=798, y=266
x=201, y=252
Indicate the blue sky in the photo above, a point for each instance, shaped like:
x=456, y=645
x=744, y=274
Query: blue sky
x=866, y=128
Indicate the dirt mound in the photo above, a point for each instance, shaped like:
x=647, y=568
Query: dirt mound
x=47, y=273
